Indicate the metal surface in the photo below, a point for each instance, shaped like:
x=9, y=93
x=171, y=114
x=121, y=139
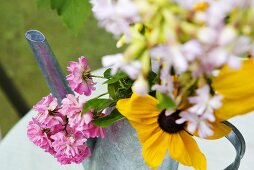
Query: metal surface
x=48, y=64
x=121, y=150
x=237, y=140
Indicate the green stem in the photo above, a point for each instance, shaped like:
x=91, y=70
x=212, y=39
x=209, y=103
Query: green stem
x=103, y=94
x=98, y=76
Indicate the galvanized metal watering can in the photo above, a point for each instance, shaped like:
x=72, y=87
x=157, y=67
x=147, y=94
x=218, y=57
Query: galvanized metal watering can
x=120, y=149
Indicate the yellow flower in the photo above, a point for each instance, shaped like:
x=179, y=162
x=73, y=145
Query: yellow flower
x=237, y=89
x=159, y=133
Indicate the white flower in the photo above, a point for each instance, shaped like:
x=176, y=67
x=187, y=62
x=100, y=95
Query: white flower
x=192, y=50
x=116, y=62
x=116, y=16
x=207, y=35
x=195, y=122
x=201, y=114
x=170, y=56
x=166, y=85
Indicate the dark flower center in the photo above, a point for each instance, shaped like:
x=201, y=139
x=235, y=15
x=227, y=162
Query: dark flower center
x=53, y=112
x=86, y=75
x=45, y=130
x=168, y=123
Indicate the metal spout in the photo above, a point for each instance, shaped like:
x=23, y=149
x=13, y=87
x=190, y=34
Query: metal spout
x=48, y=64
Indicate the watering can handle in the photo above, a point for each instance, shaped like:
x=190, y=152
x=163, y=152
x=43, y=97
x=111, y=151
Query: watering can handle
x=237, y=140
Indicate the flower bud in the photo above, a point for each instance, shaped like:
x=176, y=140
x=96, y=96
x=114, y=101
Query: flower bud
x=207, y=35
x=140, y=86
x=227, y=35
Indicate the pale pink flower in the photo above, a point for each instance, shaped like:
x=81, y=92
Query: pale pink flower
x=70, y=148
x=201, y=114
x=80, y=79
x=196, y=122
x=116, y=16
x=117, y=62
x=166, y=85
x=170, y=56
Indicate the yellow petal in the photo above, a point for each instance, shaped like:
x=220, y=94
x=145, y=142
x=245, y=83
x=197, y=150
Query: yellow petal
x=231, y=108
x=237, y=89
x=219, y=130
x=183, y=148
x=139, y=108
x=145, y=131
x=154, y=149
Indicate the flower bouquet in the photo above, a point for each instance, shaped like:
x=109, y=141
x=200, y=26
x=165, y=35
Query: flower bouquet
x=186, y=68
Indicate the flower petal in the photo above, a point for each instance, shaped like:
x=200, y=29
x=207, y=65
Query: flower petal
x=145, y=131
x=139, y=108
x=236, y=87
x=183, y=148
x=154, y=149
x=219, y=130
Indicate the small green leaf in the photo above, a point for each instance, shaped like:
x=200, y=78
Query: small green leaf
x=107, y=73
x=116, y=78
x=165, y=102
x=112, y=91
x=97, y=104
x=108, y=120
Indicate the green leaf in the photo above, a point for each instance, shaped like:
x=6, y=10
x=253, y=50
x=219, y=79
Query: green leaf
x=165, y=102
x=116, y=78
x=108, y=120
x=57, y=5
x=97, y=104
x=120, y=89
x=73, y=12
x=112, y=91
x=107, y=73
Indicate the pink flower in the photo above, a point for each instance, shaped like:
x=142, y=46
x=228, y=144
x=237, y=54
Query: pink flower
x=80, y=79
x=39, y=135
x=95, y=131
x=48, y=103
x=70, y=148
x=80, y=122
x=48, y=111
x=71, y=106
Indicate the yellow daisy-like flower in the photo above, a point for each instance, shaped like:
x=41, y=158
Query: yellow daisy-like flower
x=159, y=133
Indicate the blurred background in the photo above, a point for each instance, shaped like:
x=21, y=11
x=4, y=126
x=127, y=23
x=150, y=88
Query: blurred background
x=17, y=64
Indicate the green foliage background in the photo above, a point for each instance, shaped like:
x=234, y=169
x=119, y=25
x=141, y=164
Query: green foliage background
x=16, y=57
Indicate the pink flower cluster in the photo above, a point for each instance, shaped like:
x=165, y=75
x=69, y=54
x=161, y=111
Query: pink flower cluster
x=62, y=130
